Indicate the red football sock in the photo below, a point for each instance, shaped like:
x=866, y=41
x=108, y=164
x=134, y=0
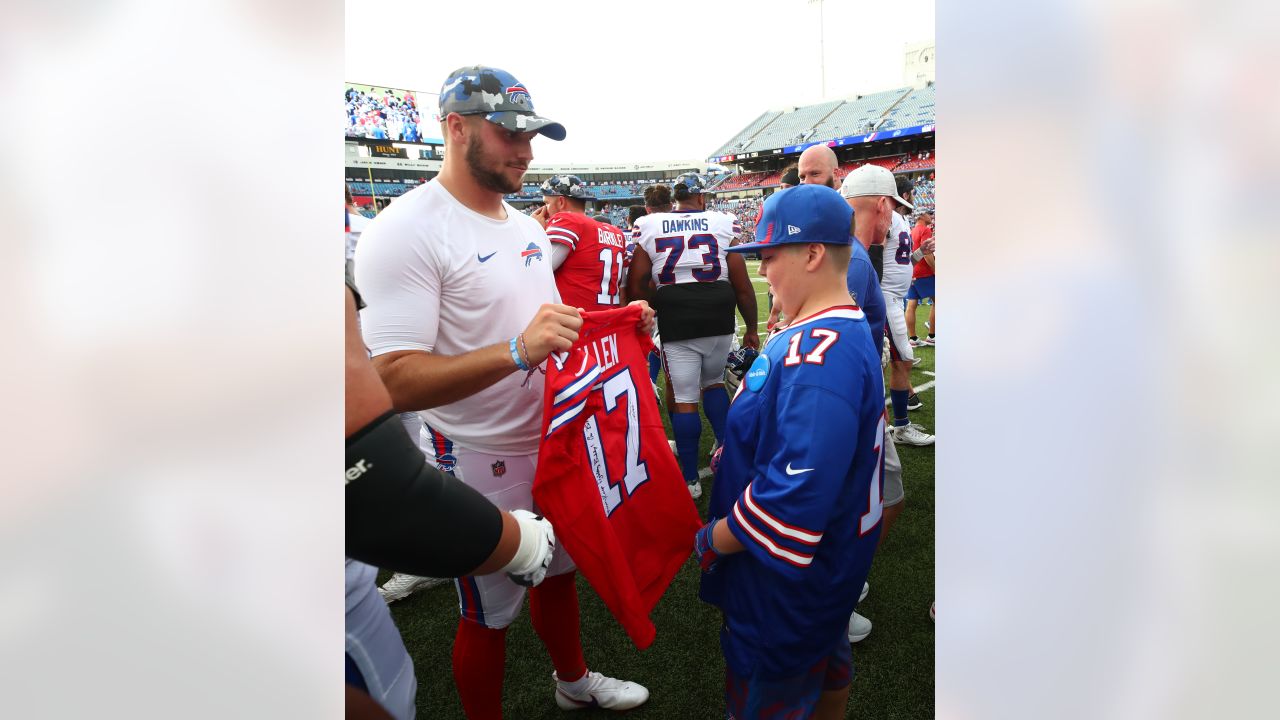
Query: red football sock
x=553, y=607
x=479, y=662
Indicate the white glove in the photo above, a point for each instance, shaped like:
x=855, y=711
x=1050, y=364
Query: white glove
x=884, y=353
x=533, y=557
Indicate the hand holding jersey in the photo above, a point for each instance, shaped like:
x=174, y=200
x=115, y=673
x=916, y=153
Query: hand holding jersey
x=554, y=328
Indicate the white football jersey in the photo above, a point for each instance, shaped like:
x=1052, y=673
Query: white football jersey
x=687, y=246
x=896, y=279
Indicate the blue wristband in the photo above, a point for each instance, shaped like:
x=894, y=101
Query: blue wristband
x=515, y=355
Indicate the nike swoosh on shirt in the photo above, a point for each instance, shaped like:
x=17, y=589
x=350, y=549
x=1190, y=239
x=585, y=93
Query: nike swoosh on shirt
x=486, y=257
x=796, y=471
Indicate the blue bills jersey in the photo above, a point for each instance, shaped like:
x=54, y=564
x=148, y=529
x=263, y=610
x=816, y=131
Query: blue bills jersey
x=799, y=483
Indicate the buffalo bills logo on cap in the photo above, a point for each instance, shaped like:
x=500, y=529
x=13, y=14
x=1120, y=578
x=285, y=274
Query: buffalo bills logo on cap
x=517, y=94
x=531, y=253
x=499, y=468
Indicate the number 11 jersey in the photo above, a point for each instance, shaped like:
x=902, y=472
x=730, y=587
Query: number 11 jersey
x=590, y=276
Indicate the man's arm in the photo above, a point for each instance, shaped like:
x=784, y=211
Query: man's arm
x=419, y=380
x=638, y=273
x=404, y=515
x=741, y=282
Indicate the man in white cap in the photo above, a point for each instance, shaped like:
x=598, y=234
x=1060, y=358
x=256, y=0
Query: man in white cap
x=873, y=193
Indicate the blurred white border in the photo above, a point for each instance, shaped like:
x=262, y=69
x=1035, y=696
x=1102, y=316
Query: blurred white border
x=172, y=521
x=1106, y=499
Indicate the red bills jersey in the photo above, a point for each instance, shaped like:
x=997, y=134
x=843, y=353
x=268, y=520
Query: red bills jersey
x=590, y=276
x=606, y=477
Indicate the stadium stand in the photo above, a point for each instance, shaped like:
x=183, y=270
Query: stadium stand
x=923, y=161
x=381, y=189
x=858, y=116
x=738, y=143
x=793, y=127
x=891, y=109
x=915, y=109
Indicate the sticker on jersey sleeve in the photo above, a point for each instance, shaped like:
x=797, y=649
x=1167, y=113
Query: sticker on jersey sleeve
x=757, y=374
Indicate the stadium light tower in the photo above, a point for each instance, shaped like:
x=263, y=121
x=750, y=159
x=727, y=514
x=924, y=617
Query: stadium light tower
x=822, y=47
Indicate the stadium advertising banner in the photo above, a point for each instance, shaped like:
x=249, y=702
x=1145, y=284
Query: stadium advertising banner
x=391, y=114
x=838, y=142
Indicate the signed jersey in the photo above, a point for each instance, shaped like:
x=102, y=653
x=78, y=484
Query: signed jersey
x=606, y=477
x=589, y=278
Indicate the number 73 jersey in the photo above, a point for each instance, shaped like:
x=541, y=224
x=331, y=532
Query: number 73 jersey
x=691, y=271
x=606, y=478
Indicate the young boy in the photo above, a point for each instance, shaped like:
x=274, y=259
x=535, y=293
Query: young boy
x=795, y=509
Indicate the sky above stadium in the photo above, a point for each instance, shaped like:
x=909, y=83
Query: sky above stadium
x=641, y=81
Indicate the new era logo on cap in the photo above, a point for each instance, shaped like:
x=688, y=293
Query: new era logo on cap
x=826, y=217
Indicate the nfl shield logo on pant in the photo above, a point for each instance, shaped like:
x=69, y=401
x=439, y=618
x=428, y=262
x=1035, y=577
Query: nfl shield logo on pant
x=499, y=468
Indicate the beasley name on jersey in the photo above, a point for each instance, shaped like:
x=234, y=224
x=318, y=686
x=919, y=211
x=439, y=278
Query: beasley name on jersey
x=687, y=246
x=896, y=278
x=589, y=277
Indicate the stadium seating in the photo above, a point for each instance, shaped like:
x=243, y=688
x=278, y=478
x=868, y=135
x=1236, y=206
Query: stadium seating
x=923, y=161
x=888, y=110
x=793, y=127
x=915, y=109
x=381, y=189
x=858, y=117
x=923, y=197
x=746, y=181
x=739, y=142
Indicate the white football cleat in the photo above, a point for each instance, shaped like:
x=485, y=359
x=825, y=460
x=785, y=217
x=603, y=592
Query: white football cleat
x=911, y=434
x=695, y=489
x=402, y=585
x=866, y=588
x=596, y=690
x=859, y=628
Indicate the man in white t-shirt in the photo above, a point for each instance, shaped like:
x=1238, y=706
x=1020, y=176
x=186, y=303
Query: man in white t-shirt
x=462, y=303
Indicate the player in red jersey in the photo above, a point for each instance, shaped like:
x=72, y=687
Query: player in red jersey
x=922, y=277
x=586, y=254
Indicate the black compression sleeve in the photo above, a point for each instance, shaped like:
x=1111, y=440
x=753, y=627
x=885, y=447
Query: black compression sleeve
x=407, y=516
x=876, y=253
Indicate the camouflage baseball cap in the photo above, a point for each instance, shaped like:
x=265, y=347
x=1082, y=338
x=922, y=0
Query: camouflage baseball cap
x=496, y=94
x=693, y=181
x=566, y=185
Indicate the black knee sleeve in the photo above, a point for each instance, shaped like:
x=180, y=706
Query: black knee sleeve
x=406, y=516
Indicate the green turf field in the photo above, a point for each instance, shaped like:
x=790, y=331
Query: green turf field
x=683, y=668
